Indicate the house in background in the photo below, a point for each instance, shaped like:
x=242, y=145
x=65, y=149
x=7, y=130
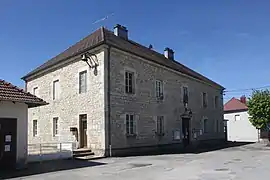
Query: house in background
x=239, y=127
x=14, y=104
x=116, y=97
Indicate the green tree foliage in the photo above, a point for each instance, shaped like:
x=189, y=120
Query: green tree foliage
x=259, y=108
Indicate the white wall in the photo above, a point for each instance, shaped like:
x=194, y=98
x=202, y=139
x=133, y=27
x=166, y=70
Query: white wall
x=240, y=130
x=18, y=111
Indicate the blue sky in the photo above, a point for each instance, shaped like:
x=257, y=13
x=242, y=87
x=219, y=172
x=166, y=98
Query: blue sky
x=226, y=40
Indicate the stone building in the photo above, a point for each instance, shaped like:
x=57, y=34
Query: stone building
x=116, y=96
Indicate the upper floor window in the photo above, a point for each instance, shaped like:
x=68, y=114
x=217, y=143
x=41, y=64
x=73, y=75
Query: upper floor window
x=129, y=82
x=55, y=126
x=35, y=128
x=237, y=117
x=185, y=94
x=83, y=82
x=205, y=125
x=160, y=125
x=56, y=89
x=159, y=89
x=204, y=100
x=216, y=101
x=35, y=91
x=130, y=124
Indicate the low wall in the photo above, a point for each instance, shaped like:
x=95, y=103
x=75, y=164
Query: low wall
x=50, y=151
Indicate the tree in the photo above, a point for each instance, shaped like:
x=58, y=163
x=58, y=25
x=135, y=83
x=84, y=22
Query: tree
x=259, y=109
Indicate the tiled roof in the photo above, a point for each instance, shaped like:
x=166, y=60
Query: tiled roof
x=9, y=92
x=105, y=36
x=235, y=105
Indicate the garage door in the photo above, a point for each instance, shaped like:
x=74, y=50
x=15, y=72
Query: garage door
x=8, y=142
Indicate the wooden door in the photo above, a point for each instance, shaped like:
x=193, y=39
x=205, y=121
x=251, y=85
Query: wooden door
x=186, y=131
x=83, y=131
x=8, y=142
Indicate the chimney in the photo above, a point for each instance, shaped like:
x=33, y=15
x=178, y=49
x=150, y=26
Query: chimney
x=121, y=31
x=168, y=53
x=243, y=99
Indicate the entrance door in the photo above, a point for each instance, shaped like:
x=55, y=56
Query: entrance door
x=8, y=142
x=83, y=131
x=186, y=131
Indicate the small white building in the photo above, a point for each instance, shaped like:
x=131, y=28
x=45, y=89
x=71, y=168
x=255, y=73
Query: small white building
x=239, y=127
x=14, y=104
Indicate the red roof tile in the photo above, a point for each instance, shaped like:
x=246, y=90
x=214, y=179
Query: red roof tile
x=9, y=92
x=235, y=105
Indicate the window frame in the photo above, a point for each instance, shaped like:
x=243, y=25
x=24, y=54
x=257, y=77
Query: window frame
x=216, y=101
x=129, y=82
x=56, y=91
x=55, y=126
x=80, y=82
x=130, y=131
x=237, y=115
x=159, y=89
x=204, y=100
x=205, y=125
x=35, y=128
x=35, y=91
x=185, y=94
x=160, y=125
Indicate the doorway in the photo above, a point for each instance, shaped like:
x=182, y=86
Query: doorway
x=8, y=142
x=83, y=131
x=186, y=131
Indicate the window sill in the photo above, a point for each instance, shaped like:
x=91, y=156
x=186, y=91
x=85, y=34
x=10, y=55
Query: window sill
x=131, y=135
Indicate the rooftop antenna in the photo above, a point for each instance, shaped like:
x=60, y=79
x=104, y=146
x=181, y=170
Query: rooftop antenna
x=103, y=19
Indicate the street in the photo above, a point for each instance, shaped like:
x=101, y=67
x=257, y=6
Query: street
x=247, y=162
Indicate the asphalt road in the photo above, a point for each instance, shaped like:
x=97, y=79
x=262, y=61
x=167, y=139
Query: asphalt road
x=244, y=162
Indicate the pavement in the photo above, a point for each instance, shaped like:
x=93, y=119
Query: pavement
x=245, y=162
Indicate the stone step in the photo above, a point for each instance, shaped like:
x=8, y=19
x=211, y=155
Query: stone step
x=82, y=150
x=83, y=154
x=87, y=158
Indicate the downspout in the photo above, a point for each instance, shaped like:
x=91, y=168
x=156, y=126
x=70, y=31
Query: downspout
x=109, y=101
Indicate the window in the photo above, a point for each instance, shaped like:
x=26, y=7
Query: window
x=56, y=89
x=83, y=82
x=160, y=125
x=129, y=82
x=35, y=130
x=205, y=125
x=159, y=89
x=55, y=126
x=35, y=91
x=185, y=94
x=237, y=117
x=204, y=99
x=217, y=126
x=216, y=101
x=130, y=124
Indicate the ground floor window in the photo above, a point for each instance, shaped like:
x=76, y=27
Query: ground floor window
x=55, y=126
x=130, y=124
x=160, y=125
x=35, y=128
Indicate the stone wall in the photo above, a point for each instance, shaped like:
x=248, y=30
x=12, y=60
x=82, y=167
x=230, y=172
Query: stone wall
x=146, y=107
x=71, y=104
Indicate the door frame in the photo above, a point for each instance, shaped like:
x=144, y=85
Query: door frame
x=186, y=137
x=82, y=135
x=11, y=159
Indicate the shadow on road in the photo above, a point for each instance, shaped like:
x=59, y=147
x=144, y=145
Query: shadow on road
x=203, y=147
x=48, y=166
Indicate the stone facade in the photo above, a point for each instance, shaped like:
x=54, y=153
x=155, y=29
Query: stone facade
x=104, y=138
x=70, y=104
x=145, y=106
